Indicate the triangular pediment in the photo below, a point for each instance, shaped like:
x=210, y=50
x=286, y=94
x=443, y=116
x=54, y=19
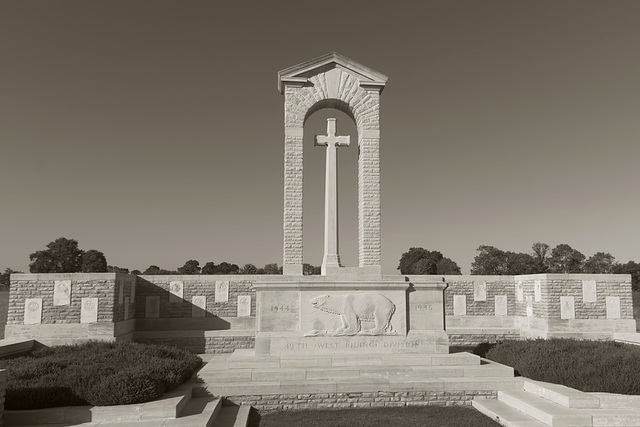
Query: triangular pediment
x=300, y=74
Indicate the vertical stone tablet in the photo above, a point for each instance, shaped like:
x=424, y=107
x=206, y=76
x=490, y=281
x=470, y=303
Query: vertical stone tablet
x=133, y=292
x=120, y=292
x=501, y=305
x=176, y=292
x=152, y=306
x=589, y=291
x=459, y=305
x=127, y=301
x=244, y=305
x=32, y=311
x=89, y=310
x=222, y=291
x=567, y=308
x=198, y=306
x=62, y=292
x=613, y=307
x=480, y=290
x=537, y=290
x=519, y=292
x=529, y=306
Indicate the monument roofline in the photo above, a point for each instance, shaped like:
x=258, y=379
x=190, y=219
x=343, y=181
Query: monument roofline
x=298, y=75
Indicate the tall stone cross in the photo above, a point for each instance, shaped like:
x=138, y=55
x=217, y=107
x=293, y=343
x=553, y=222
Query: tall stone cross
x=331, y=141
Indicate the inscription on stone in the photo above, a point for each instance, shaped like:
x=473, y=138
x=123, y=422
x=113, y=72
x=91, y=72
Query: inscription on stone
x=589, y=291
x=62, y=292
x=501, y=305
x=353, y=309
x=89, y=310
x=459, y=305
x=127, y=302
x=199, y=306
x=519, y=291
x=423, y=307
x=32, y=311
x=244, y=305
x=222, y=291
x=152, y=306
x=537, y=290
x=613, y=307
x=480, y=291
x=176, y=292
x=567, y=308
x=529, y=306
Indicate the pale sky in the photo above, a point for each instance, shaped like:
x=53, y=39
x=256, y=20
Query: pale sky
x=153, y=130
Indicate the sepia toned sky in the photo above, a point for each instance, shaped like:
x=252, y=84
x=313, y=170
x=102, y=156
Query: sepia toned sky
x=153, y=130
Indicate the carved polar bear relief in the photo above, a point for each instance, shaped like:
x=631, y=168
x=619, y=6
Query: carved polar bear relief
x=353, y=309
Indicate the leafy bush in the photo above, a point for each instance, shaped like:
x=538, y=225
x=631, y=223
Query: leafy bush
x=95, y=373
x=604, y=366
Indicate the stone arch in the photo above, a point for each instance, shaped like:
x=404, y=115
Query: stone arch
x=332, y=81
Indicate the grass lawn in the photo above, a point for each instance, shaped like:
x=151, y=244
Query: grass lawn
x=432, y=416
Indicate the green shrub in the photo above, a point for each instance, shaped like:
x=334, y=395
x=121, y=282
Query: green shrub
x=95, y=373
x=604, y=366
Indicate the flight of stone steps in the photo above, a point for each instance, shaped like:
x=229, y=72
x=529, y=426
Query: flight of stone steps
x=242, y=376
x=540, y=404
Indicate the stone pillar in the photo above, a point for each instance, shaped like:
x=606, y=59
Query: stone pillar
x=293, y=186
x=369, y=243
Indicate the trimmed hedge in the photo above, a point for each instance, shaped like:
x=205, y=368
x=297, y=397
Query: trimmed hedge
x=95, y=373
x=604, y=366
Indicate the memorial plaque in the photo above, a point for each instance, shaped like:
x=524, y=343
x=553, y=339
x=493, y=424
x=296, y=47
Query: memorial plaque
x=127, y=301
x=120, y=292
x=222, y=291
x=199, y=306
x=89, y=310
x=176, y=292
x=537, y=290
x=567, y=308
x=152, y=306
x=519, y=292
x=589, y=291
x=32, y=311
x=459, y=305
x=279, y=311
x=133, y=292
x=529, y=306
x=62, y=292
x=501, y=305
x=480, y=291
x=613, y=307
x=244, y=305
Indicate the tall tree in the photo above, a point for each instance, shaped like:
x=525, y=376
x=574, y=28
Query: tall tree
x=61, y=256
x=248, y=269
x=419, y=261
x=152, y=269
x=447, y=266
x=271, y=269
x=190, y=267
x=209, y=268
x=490, y=261
x=521, y=263
x=599, y=263
x=540, y=253
x=93, y=261
x=116, y=269
x=310, y=270
x=226, y=268
x=5, y=278
x=565, y=259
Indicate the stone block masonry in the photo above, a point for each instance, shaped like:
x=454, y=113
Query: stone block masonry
x=280, y=402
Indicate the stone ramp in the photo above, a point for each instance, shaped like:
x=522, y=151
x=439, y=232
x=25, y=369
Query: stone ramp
x=333, y=381
x=545, y=404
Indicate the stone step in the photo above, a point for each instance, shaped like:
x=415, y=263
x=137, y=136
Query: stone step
x=349, y=385
x=615, y=417
x=246, y=359
x=543, y=410
x=562, y=395
x=233, y=416
x=367, y=371
x=505, y=414
x=198, y=412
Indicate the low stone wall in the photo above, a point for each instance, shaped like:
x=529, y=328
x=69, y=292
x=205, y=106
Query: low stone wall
x=280, y=402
